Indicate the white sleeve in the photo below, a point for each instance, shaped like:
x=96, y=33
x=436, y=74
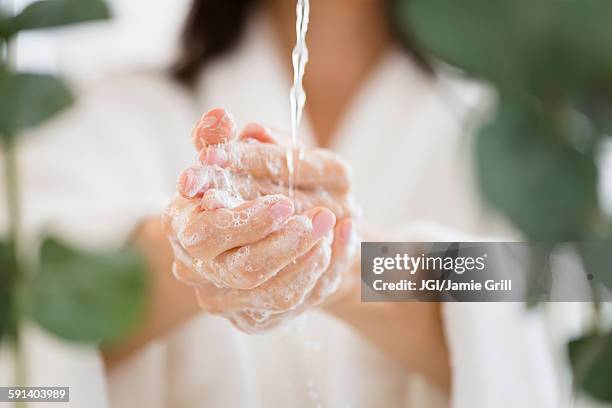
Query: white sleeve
x=500, y=356
x=95, y=171
x=89, y=176
x=500, y=353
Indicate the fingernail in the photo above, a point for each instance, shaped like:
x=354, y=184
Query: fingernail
x=211, y=118
x=216, y=126
x=249, y=130
x=254, y=132
x=191, y=183
x=281, y=210
x=216, y=155
x=346, y=231
x=322, y=222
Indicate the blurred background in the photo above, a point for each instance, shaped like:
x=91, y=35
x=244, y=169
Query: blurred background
x=142, y=34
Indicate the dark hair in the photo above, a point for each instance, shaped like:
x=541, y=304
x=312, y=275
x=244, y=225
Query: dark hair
x=214, y=27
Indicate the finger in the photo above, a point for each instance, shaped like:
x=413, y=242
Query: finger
x=344, y=248
x=197, y=179
x=255, y=321
x=257, y=132
x=215, y=126
x=193, y=181
x=207, y=234
x=341, y=204
x=214, y=199
x=219, y=188
x=185, y=272
x=177, y=213
x=251, y=265
x=283, y=292
x=317, y=169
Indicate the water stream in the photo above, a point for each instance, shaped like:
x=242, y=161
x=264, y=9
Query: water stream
x=297, y=96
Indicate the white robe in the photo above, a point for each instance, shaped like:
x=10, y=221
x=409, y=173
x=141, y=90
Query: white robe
x=95, y=171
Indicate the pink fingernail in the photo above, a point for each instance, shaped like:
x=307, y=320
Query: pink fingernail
x=211, y=119
x=216, y=126
x=346, y=231
x=322, y=222
x=281, y=210
x=254, y=132
x=216, y=155
x=191, y=183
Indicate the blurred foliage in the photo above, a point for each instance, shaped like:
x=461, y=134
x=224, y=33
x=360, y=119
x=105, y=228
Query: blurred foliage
x=551, y=64
x=547, y=188
x=53, y=13
x=543, y=46
x=5, y=285
x=76, y=295
x=597, y=257
x=87, y=297
x=27, y=100
x=591, y=358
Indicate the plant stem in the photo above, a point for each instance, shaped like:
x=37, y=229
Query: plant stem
x=3, y=50
x=12, y=196
x=9, y=145
x=597, y=321
x=19, y=366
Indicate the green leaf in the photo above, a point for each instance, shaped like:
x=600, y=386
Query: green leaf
x=574, y=46
x=539, y=284
x=597, y=259
x=5, y=287
x=529, y=171
x=26, y=100
x=87, y=297
x=489, y=39
x=591, y=360
x=55, y=13
x=481, y=37
x=544, y=46
x=4, y=24
x=595, y=102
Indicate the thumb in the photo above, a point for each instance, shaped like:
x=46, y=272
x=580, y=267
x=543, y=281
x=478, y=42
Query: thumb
x=215, y=126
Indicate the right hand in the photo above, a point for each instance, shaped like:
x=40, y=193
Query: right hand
x=259, y=263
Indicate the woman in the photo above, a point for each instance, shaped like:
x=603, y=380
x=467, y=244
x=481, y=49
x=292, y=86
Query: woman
x=374, y=101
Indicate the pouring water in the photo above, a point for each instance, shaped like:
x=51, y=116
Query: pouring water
x=297, y=96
